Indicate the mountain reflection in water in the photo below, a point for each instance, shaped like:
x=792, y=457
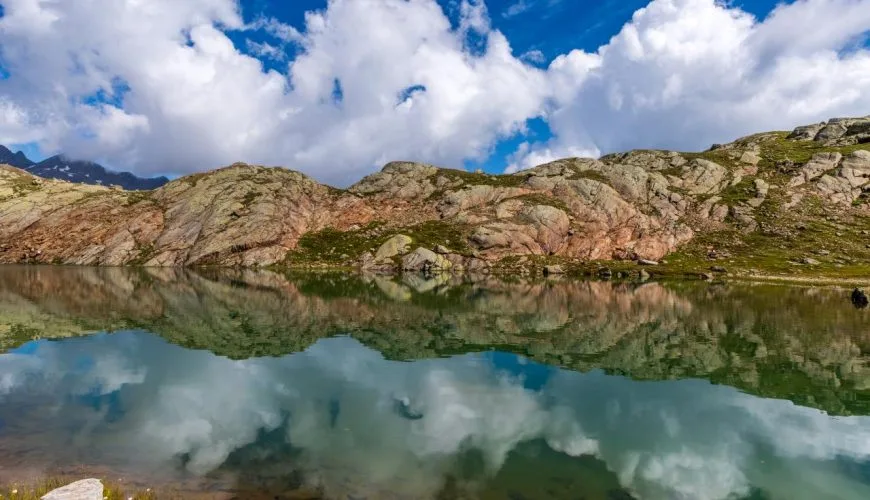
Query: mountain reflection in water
x=253, y=381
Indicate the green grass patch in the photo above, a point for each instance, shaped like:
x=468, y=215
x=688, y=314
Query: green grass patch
x=592, y=175
x=481, y=179
x=135, y=197
x=332, y=246
x=23, y=185
x=543, y=199
x=146, y=253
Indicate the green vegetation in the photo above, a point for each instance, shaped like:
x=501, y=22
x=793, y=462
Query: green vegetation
x=22, y=185
x=193, y=179
x=543, y=199
x=593, y=175
x=331, y=246
x=482, y=179
x=249, y=198
x=741, y=192
x=438, y=232
x=135, y=197
x=146, y=252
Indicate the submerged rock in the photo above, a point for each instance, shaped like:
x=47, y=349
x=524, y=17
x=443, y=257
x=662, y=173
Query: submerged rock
x=859, y=298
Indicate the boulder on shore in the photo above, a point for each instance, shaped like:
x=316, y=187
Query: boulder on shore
x=86, y=489
x=425, y=260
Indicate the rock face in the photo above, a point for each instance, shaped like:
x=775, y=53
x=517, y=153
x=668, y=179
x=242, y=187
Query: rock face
x=86, y=489
x=640, y=205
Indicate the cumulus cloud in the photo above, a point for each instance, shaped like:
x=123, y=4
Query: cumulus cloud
x=160, y=87
x=192, y=100
x=335, y=405
x=686, y=73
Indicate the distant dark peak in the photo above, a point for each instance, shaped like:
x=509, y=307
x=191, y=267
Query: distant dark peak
x=22, y=158
x=86, y=172
x=18, y=160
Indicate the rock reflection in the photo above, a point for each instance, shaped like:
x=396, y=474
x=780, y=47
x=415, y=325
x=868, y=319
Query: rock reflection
x=804, y=344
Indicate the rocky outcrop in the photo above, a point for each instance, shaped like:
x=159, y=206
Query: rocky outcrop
x=836, y=131
x=630, y=206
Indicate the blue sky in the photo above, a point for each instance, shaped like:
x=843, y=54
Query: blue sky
x=337, y=89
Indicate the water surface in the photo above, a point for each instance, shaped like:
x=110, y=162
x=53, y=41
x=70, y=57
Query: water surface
x=334, y=386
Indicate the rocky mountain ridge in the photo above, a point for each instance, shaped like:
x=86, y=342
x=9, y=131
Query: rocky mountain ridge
x=791, y=202
x=85, y=172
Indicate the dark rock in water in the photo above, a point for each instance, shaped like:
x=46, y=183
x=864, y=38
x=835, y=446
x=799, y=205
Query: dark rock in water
x=619, y=494
x=403, y=408
x=605, y=273
x=859, y=298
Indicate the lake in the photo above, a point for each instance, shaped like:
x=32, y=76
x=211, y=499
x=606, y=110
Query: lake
x=247, y=384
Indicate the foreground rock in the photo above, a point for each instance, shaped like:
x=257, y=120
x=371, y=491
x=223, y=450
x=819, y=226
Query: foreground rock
x=86, y=489
x=638, y=206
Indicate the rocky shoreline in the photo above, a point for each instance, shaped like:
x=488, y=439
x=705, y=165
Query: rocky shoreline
x=789, y=204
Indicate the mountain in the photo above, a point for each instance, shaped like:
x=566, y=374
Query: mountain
x=786, y=203
x=18, y=159
x=60, y=167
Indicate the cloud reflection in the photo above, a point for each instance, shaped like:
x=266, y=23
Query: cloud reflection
x=135, y=400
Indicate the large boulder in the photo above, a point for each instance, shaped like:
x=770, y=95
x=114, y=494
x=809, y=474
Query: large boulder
x=86, y=489
x=856, y=168
x=806, y=132
x=397, y=245
x=703, y=177
x=425, y=260
x=816, y=167
x=400, y=179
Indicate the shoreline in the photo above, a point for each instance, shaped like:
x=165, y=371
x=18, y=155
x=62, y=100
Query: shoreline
x=618, y=271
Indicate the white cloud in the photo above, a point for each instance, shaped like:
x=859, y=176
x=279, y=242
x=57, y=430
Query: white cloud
x=517, y=8
x=686, y=73
x=533, y=56
x=266, y=50
x=196, y=102
x=279, y=30
x=682, y=74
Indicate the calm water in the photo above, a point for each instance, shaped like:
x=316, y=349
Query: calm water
x=330, y=386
